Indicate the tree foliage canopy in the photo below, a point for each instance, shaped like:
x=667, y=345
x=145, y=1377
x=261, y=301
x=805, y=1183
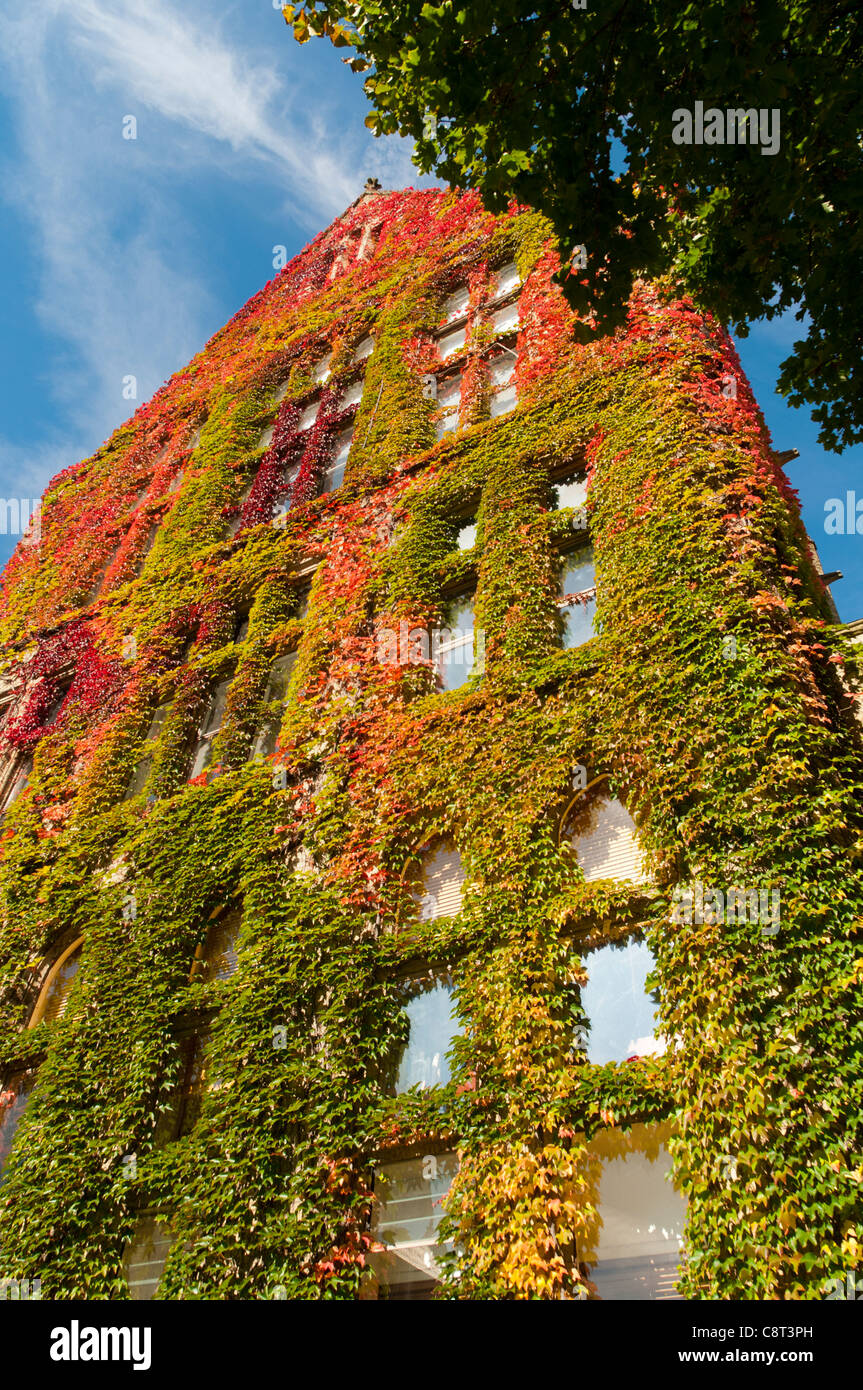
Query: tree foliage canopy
x=572, y=110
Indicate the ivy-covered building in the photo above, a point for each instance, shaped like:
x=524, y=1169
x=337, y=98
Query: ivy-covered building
x=431, y=794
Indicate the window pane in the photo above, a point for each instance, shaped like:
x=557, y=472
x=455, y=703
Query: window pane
x=621, y=1013
x=453, y=646
x=220, y=946
x=321, y=370
x=352, y=395
x=309, y=416
x=577, y=574
x=439, y=893
x=466, y=538
x=407, y=1213
x=580, y=623
x=501, y=369
x=571, y=492
x=13, y=1102
x=456, y=304
x=449, y=392
x=502, y=402
x=642, y=1218
x=433, y=1025
x=145, y=1258
x=607, y=846
x=364, y=349
x=505, y=280
x=452, y=343
x=56, y=996
x=505, y=320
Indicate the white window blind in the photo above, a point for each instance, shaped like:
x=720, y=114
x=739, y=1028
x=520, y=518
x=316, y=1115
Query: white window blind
x=145, y=1258
x=308, y=416
x=609, y=848
x=407, y=1213
x=352, y=395
x=451, y=343
x=443, y=879
x=505, y=319
x=56, y=995
x=456, y=304
x=505, y=280
x=364, y=349
x=642, y=1219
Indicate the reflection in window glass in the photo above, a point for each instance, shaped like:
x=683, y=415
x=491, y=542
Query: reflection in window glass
x=641, y=1217
x=142, y=771
x=364, y=349
x=577, y=575
x=620, y=1012
x=14, y=1096
x=407, y=1213
x=352, y=395
x=334, y=474
x=505, y=320
x=275, y=694
x=145, y=1258
x=212, y=725
x=433, y=1025
x=455, y=651
x=308, y=416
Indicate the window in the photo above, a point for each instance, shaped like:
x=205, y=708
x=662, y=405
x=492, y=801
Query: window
x=456, y=305
x=620, y=1012
x=466, y=538
x=505, y=319
x=142, y=771
x=571, y=491
x=209, y=729
x=457, y=651
x=503, y=389
x=448, y=398
x=335, y=472
x=439, y=892
x=216, y=957
x=406, y=1216
x=578, y=578
x=145, y=1258
x=321, y=369
x=308, y=416
x=641, y=1216
x=363, y=349
x=14, y=1097
x=274, y=695
x=606, y=847
x=54, y=996
x=451, y=343
x=433, y=1024
x=504, y=281
x=352, y=395
x=241, y=628
x=266, y=438
x=15, y=784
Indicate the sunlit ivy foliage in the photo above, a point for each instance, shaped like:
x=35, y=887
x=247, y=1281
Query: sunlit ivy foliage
x=713, y=700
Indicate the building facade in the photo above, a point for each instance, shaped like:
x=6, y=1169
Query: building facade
x=431, y=796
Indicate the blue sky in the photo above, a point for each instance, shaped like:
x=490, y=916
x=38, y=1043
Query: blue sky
x=121, y=257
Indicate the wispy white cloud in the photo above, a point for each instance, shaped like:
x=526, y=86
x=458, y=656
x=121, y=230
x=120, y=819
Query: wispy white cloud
x=120, y=291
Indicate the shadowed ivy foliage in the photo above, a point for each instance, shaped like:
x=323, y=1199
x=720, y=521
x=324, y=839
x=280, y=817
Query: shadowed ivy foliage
x=740, y=764
x=580, y=110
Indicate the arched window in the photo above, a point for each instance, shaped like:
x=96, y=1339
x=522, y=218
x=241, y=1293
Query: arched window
x=438, y=892
x=54, y=995
x=14, y=1097
x=634, y=1249
x=145, y=1256
x=606, y=843
x=216, y=957
x=620, y=1011
x=433, y=1023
